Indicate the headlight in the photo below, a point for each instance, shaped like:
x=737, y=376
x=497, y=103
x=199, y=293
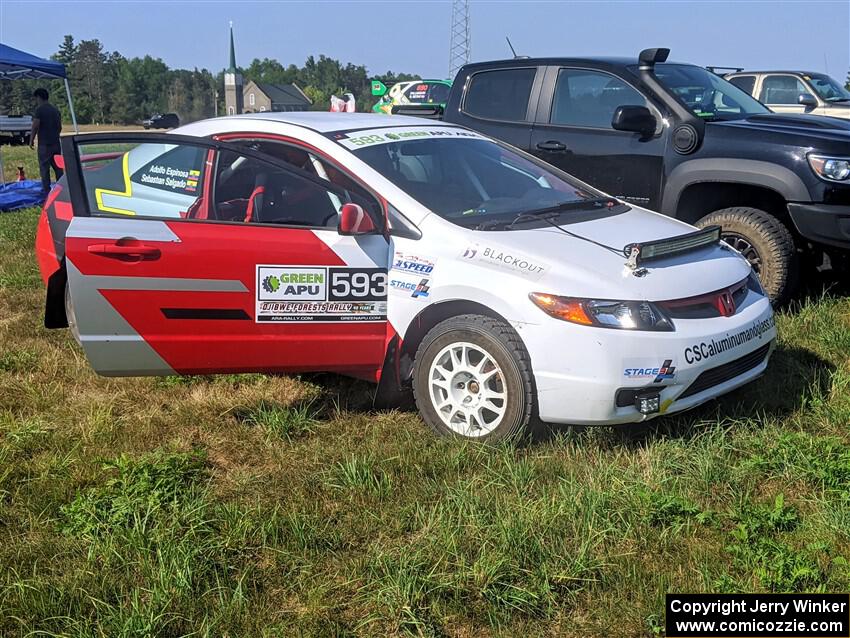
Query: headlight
x=602, y=313
x=835, y=169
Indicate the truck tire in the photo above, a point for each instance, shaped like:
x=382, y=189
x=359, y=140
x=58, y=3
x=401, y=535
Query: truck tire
x=764, y=241
x=472, y=379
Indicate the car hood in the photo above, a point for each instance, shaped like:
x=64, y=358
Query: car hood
x=818, y=126
x=590, y=260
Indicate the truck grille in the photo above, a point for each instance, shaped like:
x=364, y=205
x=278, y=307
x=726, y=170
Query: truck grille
x=726, y=372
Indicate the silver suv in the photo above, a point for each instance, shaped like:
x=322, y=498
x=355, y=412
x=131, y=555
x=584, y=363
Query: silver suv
x=795, y=91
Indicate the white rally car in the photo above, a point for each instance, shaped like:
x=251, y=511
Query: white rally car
x=405, y=252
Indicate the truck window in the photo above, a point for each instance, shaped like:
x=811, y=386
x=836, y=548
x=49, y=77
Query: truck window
x=781, y=89
x=744, y=82
x=500, y=95
x=589, y=98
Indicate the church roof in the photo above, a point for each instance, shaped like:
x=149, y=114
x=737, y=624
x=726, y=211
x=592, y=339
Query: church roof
x=288, y=94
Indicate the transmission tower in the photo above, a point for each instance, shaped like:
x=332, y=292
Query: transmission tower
x=459, y=45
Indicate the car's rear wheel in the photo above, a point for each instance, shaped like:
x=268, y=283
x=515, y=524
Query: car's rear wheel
x=764, y=241
x=472, y=378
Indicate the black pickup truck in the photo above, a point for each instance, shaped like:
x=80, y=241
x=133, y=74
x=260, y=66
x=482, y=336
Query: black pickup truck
x=681, y=140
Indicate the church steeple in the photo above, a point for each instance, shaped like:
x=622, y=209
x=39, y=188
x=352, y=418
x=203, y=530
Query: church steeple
x=233, y=96
x=232, y=67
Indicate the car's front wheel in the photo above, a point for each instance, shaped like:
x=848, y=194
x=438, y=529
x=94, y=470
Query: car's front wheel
x=764, y=241
x=472, y=378
x=71, y=316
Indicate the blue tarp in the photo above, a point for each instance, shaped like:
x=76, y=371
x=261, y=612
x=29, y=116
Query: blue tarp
x=16, y=195
x=18, y=65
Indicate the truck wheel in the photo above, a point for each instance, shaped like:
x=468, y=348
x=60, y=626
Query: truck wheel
x=764, y=241
x=472, y=379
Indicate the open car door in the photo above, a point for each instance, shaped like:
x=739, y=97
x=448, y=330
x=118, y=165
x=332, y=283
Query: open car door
x=193, y=256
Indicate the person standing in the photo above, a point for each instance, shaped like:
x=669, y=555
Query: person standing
x=46, y=125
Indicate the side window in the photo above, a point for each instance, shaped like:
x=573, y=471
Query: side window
x=253, y=191
x=589, y=98
x=308, y=163
x=781, y=89
x=185, y=181
x=500, y=95
x=744, y=82
x=144, y=179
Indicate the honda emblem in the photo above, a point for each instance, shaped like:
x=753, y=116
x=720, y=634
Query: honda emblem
x=726, y=303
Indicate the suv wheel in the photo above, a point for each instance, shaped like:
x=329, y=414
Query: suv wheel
x=472, y=379
x=764, y=241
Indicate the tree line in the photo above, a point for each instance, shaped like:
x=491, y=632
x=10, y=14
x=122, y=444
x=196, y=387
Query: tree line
x=109, y=88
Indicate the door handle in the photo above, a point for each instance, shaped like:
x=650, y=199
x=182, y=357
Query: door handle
x=127, y=250
x=551, y=146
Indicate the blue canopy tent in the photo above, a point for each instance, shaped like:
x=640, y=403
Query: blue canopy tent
x=19, y=65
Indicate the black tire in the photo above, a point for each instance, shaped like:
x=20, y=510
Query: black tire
x=498, y=340
x=765, y=242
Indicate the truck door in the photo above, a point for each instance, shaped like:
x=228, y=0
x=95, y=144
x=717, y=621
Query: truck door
x=572, y=130
x=194, y=256
x=501, y=103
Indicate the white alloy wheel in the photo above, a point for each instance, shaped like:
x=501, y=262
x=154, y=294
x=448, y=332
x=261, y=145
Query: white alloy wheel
x=467, y=389
x=71, y=316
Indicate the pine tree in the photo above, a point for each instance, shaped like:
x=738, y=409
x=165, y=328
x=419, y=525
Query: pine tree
x=67, y=53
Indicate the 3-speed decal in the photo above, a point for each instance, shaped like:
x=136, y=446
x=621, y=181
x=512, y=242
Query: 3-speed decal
x=411, y=275
x=320, y=294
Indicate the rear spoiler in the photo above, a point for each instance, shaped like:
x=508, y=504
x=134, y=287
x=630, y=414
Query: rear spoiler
x=639, y=254
x=429, y=111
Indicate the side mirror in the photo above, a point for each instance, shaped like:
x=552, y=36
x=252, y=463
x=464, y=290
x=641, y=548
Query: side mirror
x=637, y=119
x=808, y=100
x=353, y=220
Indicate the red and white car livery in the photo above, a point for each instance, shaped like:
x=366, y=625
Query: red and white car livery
x=403, y=252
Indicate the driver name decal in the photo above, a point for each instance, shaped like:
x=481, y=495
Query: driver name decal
x=320, y=294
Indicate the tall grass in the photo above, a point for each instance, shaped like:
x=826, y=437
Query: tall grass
x=252, y=505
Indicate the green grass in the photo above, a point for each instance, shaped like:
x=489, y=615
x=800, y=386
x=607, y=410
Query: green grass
x=253, y=505
x=15, y=156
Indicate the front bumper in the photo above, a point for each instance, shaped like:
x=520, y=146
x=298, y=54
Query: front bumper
x=823, y=223
x=579, y=371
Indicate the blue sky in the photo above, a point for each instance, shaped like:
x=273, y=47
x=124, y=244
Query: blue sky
x=413, y=36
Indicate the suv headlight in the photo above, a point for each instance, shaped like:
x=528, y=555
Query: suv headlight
x=604, y=313
x=834, y=169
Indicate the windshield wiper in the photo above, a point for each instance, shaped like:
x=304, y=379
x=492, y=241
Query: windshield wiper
x=553, y=211
x=547, y=213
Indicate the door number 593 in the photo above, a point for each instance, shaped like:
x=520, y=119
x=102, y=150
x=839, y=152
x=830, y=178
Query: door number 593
x=367, y=284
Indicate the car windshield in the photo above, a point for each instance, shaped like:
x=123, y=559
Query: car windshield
x=464, y=177
x=828, y=89
x=708, y=95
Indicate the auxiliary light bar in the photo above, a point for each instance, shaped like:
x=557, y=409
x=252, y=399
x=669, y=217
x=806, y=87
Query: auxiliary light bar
x=640, y=253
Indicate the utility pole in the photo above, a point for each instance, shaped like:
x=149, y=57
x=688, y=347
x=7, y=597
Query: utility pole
x=459, y=44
